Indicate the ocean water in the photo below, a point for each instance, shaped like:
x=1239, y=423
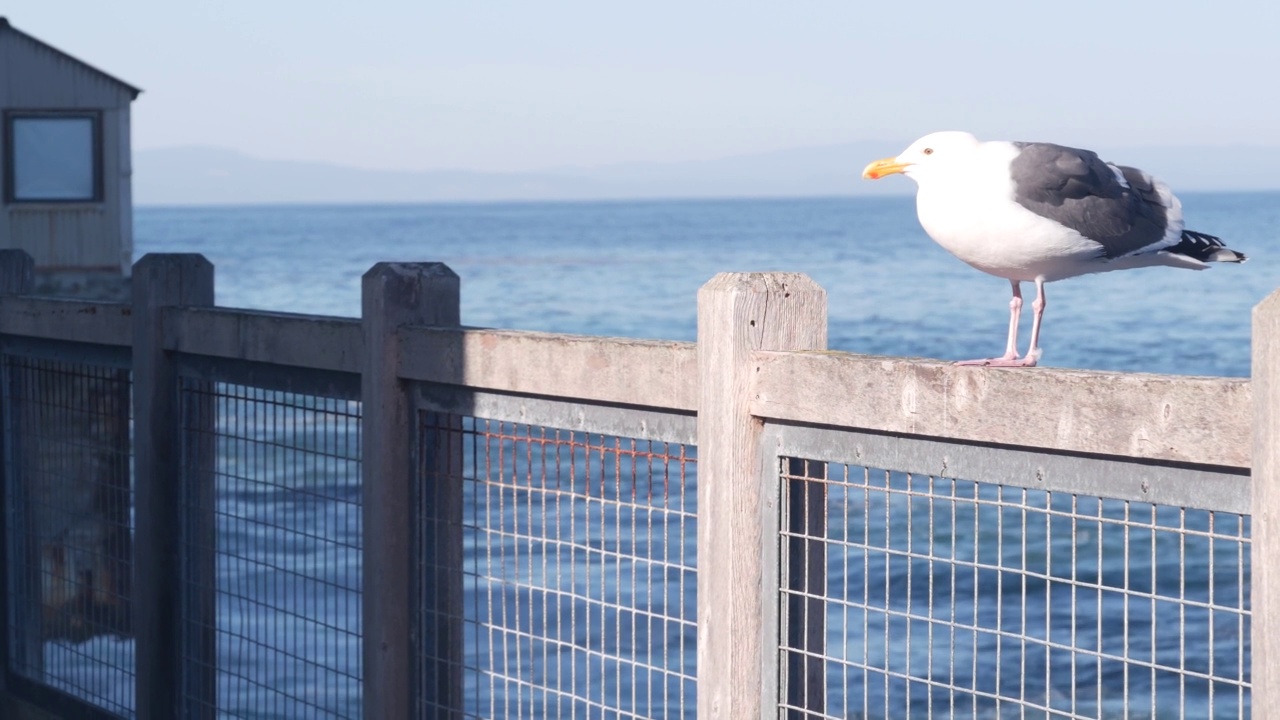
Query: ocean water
x=633, y=269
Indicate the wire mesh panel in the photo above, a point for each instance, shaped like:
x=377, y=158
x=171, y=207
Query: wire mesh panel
x=68, y=528
x=577, y=573
x=951, y=598
x=271, y=552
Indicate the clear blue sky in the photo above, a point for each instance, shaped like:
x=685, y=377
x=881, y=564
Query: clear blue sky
x=491, y=85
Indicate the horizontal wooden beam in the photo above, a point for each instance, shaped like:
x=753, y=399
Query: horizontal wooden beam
x=610, y=370
x=310, y=341
x=1158, y=417
x=647, y=373
x=103, y=323
x=1174, y=418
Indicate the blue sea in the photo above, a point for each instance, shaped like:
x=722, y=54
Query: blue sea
x=633, y=269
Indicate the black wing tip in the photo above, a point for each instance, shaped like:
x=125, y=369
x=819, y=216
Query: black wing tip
x=1193, y=236
x=1206, y=248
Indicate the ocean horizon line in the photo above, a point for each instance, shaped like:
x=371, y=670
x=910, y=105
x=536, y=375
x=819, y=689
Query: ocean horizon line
x=645, y=200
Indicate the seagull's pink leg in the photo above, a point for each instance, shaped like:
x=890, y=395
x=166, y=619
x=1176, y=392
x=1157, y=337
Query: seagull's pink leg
x=1015, y=313
x=1010, y=357
x=1033, y=351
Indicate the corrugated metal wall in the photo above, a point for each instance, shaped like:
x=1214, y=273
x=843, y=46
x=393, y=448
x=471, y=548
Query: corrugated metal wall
x=34, y=76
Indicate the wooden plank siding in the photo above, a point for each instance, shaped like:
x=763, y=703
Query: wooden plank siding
x=90, y=236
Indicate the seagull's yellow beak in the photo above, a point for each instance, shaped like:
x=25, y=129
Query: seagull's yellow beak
x=880, y=168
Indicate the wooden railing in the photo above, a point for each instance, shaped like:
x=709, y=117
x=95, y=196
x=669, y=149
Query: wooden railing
x=760, y=362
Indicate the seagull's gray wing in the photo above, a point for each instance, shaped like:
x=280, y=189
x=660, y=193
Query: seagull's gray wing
x=1077, y=189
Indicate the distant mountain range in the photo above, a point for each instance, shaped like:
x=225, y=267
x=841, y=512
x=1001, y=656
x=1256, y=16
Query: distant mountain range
x=202, y=175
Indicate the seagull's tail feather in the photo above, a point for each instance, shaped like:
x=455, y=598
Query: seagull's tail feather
x=1205, y=248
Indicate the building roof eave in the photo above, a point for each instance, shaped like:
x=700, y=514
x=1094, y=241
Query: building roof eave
x=5, y=25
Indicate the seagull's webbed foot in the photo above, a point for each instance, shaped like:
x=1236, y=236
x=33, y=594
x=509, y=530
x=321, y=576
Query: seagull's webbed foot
x=1001, y=362
x=1007, y=360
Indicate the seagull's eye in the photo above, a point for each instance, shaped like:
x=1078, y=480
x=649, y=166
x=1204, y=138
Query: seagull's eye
x=928, y=151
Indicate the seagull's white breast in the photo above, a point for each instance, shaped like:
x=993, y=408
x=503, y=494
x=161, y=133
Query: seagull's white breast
x=967, y=207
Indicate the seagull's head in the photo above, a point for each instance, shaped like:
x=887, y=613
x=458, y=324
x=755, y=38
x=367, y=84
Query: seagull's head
x=928, y=154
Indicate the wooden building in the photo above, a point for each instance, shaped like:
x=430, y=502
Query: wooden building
x=65, y=186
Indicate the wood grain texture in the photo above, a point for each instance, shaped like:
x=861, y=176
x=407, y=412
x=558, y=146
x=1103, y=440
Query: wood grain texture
x=1158, y=417
x=17, y=276
x=1265, y=600
x=160, y=281
x=396, y=295
x=648, y=373
x=738, y=314
x=622, y=371
x=310, y=341
x=17, y=272
x=104, y=323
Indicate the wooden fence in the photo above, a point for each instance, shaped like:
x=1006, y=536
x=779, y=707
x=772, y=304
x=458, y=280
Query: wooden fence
x=759, y=397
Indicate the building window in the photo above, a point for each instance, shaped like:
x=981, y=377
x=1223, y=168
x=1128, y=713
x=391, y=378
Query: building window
x=53, y=157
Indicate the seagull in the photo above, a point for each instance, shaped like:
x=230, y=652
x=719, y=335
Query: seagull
x=1039, y=212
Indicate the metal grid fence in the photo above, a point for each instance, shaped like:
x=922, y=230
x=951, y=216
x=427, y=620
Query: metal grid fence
x=952, y=598
x=68, y=528
x=579, y=572
x=271, y=552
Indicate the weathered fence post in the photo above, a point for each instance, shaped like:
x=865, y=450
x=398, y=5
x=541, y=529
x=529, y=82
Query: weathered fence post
x=401, y=590
x=159, y=282
x=739, y=313
x=24, y=648
x=17, y=272
x=1265, y=600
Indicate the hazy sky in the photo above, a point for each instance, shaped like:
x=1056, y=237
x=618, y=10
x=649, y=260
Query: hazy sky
x=509, y=85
